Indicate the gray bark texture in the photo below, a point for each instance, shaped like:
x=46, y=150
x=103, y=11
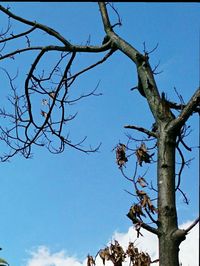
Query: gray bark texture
x=167, y=216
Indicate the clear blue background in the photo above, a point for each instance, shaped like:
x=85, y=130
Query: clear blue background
x=75, y=201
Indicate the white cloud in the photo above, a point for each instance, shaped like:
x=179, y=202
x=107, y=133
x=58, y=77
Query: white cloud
x=189, y=250
x=44, y=257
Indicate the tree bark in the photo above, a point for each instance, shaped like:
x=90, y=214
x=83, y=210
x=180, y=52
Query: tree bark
x=169, y=240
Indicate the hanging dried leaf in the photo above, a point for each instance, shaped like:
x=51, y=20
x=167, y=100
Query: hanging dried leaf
x=137, y=228
x=130, y=249
x=149, y=203
x=121, y=155
x=90, y=261
x=140, y=193
x=117, y=253
x=43, y=113
x=104, y=254
x=145, y=259
x=142, y=182
x=132, y=252
x=144, y=201
x=142, y=154
x=52, y=94
x=136, y=210
x=151, y=206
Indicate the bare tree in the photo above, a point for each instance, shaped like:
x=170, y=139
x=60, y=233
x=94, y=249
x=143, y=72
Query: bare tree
x=26, y=128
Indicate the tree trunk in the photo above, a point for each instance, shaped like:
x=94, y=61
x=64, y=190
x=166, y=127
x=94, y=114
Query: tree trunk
x=167, y=216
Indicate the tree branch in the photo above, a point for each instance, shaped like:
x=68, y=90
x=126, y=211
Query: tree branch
x=26, y=132
x=93, y=65
x=143, y=130
x=18, y=35
x=177, y=106
x=192, y=225
x=186, y=112
x=117, y=42
x=105, y=17
x=68, y=46
x=36, y=25
x=143, y=225
x=18, y=51
x=158, y=107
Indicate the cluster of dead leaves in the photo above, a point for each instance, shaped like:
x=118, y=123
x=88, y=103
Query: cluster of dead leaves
x=117, y=255
x=142, y=155
x=121, y=155
x=137, y=258
x=136, y=210
x=114, y=253
x=145, y=201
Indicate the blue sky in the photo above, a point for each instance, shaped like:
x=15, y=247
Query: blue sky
x=73, y=201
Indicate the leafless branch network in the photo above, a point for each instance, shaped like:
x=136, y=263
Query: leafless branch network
x=40, y=114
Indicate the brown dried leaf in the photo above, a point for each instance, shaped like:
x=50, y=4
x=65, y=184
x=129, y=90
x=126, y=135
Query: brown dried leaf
x=142, y=155
x=143, y=147
x=149, y=203
x=142, y=182
x=151, y=206
x=141, y=193
x=138, y=210
x=117, y=252
x=130, y=249
x=137, y=228
x=121, y=155
x=43, y=113
x=52, y=94
x=104, y=254
x=90, y=261
x=144, y=201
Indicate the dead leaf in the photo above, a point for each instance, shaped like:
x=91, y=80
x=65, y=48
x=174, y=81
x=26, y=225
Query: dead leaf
x=52, y=94
x=141, y=192
x=137, y=228
x=136, y=210
x=43, y=113
x=90, y=261
x=121, y=155
x=104, y=254
x=142, y=182
x=144, y=201
x=142, y=154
